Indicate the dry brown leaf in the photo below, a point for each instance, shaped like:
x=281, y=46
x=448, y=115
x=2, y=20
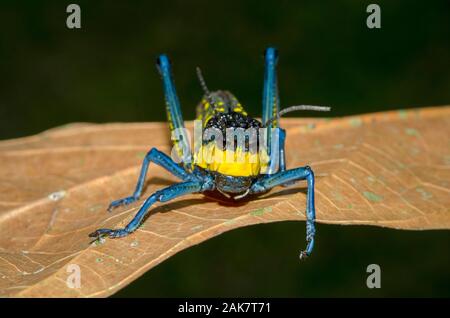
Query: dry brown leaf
x=386, y=169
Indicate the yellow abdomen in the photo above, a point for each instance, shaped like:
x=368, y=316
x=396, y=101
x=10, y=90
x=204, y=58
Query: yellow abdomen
x=238, y=163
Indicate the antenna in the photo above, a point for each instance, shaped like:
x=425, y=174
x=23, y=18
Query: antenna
x=298, y=107
x=204, y=87
x=202, y=81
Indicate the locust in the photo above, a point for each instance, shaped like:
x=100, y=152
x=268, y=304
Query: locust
x=262, y=164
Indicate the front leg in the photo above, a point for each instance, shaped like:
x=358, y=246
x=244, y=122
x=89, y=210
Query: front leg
x=163, y=195
x=269, y=181
x=161, y=159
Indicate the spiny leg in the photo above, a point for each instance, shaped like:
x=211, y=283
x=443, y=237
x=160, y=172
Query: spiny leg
x=277, y=155
x=282, y=141
x=282, y=157
x=174, y=115
x=269, y=181
x=161, y=159
x=166, y=194
x=271, y=106
x=270, y=91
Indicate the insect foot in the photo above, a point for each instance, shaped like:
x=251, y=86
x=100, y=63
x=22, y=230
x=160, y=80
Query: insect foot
x=309, y=246
x=120, y=202
x=303, y=255
x=108, y=233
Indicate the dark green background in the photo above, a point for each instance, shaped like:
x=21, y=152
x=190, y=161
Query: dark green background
x=104, y=72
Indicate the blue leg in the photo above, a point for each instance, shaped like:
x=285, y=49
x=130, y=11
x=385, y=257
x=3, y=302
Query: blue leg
x=163, y=195
x=161, y=159
x=282, y=158
x=282, y=136
x=270, y=90
x=276, y=152
x=270, y=110
x=174, y=115
x=269, y=181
